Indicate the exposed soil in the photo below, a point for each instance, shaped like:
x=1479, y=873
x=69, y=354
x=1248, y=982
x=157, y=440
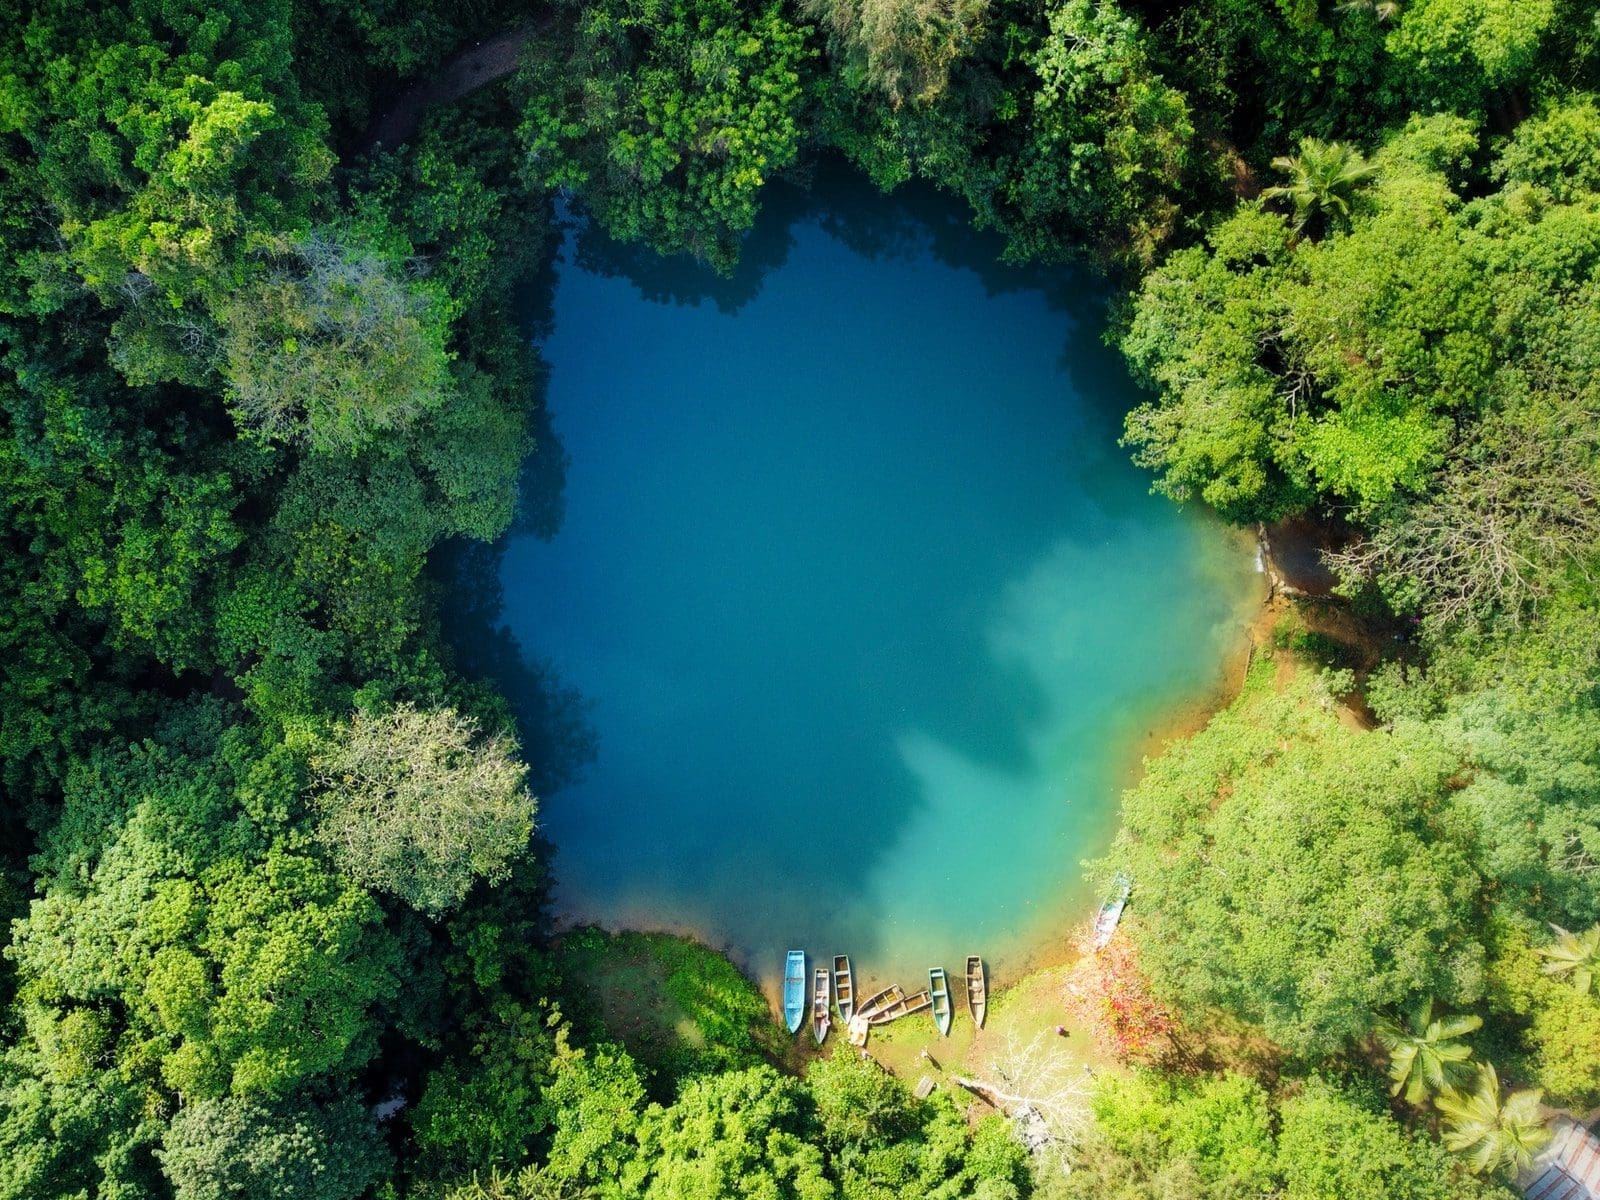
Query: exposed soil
x=1029, y=1009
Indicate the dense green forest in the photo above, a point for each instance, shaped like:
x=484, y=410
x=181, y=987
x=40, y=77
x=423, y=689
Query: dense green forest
x=267, y=853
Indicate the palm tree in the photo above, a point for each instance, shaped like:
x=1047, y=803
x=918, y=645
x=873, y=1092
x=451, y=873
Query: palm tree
x=1578, y=953
x=1425, y=1053
x=1491, y=1132
x=1322, y=179
x=1384, y=10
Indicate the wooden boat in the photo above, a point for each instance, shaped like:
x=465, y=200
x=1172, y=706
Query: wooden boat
x=794, y=990
x=844, y=987
x=821, y=996
x=977, y=990
x=901, y=1006
x=856, y=1032
x=1105, y=924
x=880, y=1000
x=939, y=989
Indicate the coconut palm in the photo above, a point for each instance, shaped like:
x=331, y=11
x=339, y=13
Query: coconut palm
x=1490, y=1131
x=1425, y=1053
x=1322, y=179
x=1574, y=953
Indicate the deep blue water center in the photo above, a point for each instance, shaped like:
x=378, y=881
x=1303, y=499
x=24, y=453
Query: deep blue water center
x=865, y=606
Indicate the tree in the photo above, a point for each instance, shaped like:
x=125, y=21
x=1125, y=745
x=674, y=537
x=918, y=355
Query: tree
x=738, y=1134
x=1505, y=521
x=1493, y=1131
x=483, y=1106
x=1344, y=367
x=327, y=345
x=1556, y=149
x=1574, y=954
x=1549, y=1032
x=1298, y=873
x=1425, y=1053
x=1323, y=178
x=1330, y=1143
x=176, y=896
x=1107, y=142
x=1155, y=1135
x=1036, y=1082
x=1455, y=53
x=227, y=1147
x=902, y=48
x=667, y=117
x=414, y=802
x=859, y=1104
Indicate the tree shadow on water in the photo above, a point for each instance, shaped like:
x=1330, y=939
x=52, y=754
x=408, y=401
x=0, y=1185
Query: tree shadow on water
x=682, y=279
x=559, y=740
x=542, y=485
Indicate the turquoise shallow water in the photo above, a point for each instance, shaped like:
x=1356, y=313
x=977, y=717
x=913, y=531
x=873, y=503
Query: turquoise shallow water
x=865, y=605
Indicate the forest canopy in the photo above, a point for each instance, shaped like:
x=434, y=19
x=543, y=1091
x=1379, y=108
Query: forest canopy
x=274, y=907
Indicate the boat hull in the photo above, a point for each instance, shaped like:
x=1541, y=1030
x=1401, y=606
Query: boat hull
x=939, y=992
x=977, y=990
x=821, y=1002
x=794, y=990
x=844, y=988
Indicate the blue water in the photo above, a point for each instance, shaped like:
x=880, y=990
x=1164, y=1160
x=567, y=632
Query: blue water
x=866, y=607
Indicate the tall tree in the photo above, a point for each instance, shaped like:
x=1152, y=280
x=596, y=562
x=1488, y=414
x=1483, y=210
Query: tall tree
x=416, y=803
x=1300, y=874
x=666, y=117
x=1426, y=1053
x=1323, y=179
x=1493, y=1131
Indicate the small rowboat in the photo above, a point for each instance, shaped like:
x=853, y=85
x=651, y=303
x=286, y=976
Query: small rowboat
x=878, y=1001
x=821, y=1022
x=977, y=990
x=1105, y=924
x=901, y=1005
x=939, y=990
x=794, y=990
x=844, y=987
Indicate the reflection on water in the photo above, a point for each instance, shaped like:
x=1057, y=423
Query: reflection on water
x=864, y=604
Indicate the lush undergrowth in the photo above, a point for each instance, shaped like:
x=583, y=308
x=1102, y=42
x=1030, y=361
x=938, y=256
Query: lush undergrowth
x=274, y=906
x=676, y=1006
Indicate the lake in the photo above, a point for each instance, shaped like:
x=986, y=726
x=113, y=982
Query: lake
x=861, y=604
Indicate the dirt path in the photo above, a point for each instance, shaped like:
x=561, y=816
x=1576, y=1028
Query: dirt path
x=463, y=72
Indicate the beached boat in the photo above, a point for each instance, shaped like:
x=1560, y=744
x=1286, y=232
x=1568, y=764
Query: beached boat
x=901, y=1005
x=1105, y=924
x=821, y=1022
x=977, y=990
x=794, y=990
x=844, y=987
x=875, y=1003
x=939, y=990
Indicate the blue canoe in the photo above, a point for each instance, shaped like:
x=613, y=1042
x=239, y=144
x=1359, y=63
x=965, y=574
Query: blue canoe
x=794, y=990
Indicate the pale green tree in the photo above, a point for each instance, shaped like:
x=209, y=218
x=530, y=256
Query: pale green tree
x=1426, y=1052
x=417, y=803
x=1323, y=178
x=1574, y=954
x=1493, y=1131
